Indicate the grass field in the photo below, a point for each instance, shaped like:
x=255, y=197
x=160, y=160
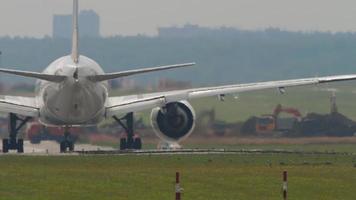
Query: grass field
x=152, y=177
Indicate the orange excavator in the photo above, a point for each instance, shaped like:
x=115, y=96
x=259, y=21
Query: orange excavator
x=270, y=123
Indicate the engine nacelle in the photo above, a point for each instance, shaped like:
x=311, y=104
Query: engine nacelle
x=174, y=122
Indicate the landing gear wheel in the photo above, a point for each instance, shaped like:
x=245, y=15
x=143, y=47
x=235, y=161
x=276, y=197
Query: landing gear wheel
x=16, y=145
x=66, y=145
x=71, y=146
x=20, y=146
x=15, y=125
x=5, y=145
x=123, y=144
x=137, y=143
x=130, y=141
x=62, y=147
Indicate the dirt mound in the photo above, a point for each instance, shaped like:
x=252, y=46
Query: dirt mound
x=334, y=124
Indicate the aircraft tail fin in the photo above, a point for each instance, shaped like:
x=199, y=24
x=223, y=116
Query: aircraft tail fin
x=75, y=34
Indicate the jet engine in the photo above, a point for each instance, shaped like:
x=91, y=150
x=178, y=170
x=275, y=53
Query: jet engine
x=174, y=122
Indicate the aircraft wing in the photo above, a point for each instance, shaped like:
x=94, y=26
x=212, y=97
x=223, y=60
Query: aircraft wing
x=25, y=106
x=135, y=103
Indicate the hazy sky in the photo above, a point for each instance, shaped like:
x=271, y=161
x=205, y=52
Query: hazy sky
x=131, y=17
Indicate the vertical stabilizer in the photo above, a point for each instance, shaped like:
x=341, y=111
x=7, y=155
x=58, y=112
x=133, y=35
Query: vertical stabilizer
x=75, y=36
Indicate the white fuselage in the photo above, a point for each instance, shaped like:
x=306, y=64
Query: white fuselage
x=75, y=101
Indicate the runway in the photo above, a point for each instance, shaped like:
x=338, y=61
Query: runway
x=205, y=152
x=52, y=148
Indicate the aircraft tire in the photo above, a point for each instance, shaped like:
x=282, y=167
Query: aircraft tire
x=5, y=145
x=71, y=146
x=123, y=143
x=137, y=143
x=63, y=147
x=20, y=146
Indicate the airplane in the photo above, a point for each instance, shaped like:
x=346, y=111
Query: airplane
x=73, y=91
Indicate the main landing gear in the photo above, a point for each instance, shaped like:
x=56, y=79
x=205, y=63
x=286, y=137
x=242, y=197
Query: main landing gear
x=15, y=124
x=67, y=144
x=130, y=141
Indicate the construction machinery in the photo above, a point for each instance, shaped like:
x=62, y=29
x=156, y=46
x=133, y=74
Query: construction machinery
x=271, y=123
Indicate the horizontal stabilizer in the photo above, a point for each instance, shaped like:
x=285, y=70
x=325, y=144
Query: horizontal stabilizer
x=109, y=76
x=46, y=77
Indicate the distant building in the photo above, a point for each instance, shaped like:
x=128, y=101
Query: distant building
x=189, y=31
x=89, y=25
x=62, y=26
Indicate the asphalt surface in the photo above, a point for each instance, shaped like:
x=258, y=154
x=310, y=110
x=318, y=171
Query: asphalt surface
x=52, y=148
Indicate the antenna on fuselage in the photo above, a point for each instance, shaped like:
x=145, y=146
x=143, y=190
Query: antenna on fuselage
x=75, y=36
